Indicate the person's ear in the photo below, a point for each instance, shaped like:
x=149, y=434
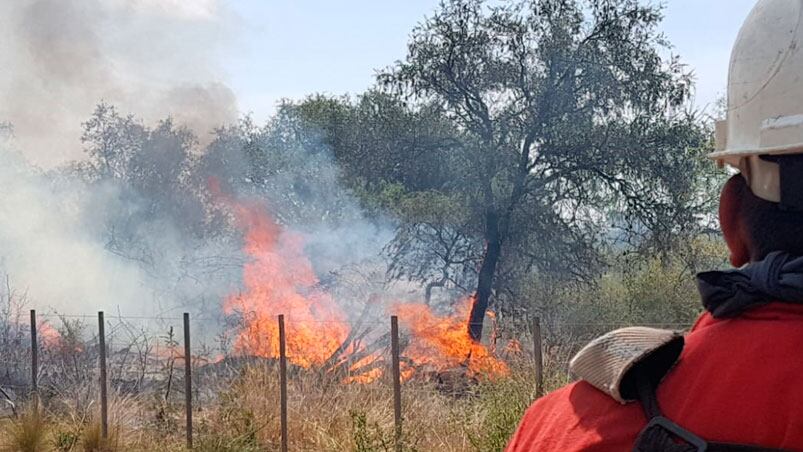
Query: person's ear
x=731, y=220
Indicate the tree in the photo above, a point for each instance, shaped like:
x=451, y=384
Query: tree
x=568, y=115
x=378, y=140
x=149, y=170
x=111, y=140
x=399, y=160
x=284, y=161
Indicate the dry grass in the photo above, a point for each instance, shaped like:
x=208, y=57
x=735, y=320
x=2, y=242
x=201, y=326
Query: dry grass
x=325, y=415
x=92, y=440
x=241, y=414
x=27, y=433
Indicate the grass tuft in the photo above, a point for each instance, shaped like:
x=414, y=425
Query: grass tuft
x=26, y=433
x=92, y=440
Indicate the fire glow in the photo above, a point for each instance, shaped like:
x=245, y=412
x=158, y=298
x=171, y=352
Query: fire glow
x=49, y=336
x=444, y=343
x=279, y=279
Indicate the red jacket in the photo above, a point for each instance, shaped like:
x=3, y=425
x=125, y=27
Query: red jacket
x=737, y=381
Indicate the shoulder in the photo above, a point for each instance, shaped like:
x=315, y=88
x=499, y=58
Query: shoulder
x=577, y=417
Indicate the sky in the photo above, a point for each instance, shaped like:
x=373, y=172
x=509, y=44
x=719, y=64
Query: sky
x=205, y=62
x=291, y=49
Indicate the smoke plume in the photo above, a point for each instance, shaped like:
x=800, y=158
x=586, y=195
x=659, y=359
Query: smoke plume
x=61, y=57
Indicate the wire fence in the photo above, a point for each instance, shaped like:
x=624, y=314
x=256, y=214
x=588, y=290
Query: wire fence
x=90, y=356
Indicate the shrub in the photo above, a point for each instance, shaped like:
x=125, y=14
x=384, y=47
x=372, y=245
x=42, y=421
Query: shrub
x=369, y=438
x=26, y=433
x=92, y=440
x=503, y=403
x=65, y=441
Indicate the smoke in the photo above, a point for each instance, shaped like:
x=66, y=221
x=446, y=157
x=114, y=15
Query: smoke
x=46, y=248
x=300, y=182
x=150, y=57
x=60, y=234
x=57, y=245
x=148, y=238
x=145, y=238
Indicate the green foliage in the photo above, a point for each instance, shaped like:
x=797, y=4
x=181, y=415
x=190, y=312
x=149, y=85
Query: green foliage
x=234, y=429
x=636, y=289
x=514, y=139
x=65, y=441
x=369, y=438
x=224, y=443
x=379, y=139
x=569, y=121
x=504, y=403
x=662, y=289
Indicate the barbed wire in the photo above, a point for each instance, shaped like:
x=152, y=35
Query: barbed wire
x=289, y=318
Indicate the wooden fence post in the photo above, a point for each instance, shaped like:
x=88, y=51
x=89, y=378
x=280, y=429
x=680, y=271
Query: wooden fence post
x=394, y=350
x=538, y=357
x=283, y=382
x=188, y=378
x=104, y=407
x=34, y=363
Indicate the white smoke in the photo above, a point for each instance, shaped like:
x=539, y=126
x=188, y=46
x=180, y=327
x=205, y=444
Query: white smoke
x=59, y=59
x=47, y=249
x=152, y=58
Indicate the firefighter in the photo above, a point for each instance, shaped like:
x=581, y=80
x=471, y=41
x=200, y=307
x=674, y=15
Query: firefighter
x=734, y=382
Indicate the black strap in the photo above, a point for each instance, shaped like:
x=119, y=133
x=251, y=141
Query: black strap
x=663, y=435
x=790, y=170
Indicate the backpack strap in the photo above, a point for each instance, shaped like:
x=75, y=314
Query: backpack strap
x=663, y=435
x=629, y=364
x=660, y=434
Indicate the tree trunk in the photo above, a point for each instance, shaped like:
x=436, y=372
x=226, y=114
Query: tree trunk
x=493, y=250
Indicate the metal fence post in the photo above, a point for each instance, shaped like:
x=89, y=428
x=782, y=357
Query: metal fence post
x=283, y=382
x=104, y=407
x=538, y=357
x=188, y=378
x=394, y=350
x=34, y=363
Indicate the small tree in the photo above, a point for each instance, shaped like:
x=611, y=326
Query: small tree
x=568, y=114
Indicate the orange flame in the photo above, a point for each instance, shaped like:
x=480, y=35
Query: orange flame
x=444, y=342
x=49, y=336
x=365, y=370
x=406, y=371
x=280, y=279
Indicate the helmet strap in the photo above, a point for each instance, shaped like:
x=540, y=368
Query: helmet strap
x=791, y=179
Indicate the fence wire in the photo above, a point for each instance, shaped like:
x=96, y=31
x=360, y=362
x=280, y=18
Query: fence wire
x=145, y=361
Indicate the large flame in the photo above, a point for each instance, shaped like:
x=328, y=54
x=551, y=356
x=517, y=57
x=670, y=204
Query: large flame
x=279, y=279
x=443, y=342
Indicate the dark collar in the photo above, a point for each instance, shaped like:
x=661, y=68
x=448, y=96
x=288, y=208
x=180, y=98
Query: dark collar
x=779, y=277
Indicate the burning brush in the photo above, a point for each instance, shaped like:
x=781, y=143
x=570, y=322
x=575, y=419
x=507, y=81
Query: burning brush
x=279, y=279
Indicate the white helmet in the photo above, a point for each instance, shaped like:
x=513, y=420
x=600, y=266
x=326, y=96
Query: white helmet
x=765, y=96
